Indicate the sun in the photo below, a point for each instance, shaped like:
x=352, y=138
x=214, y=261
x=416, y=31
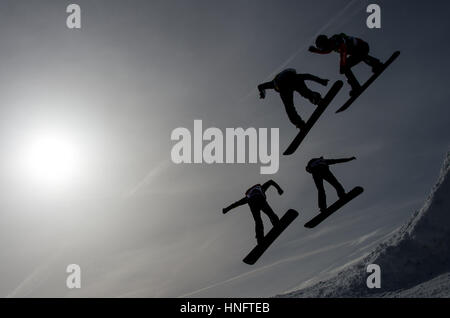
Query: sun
x=50, y=159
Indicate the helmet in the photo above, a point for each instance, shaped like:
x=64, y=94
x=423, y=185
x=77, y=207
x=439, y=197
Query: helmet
x=252, y=188
x=284, y=79
x=322, y=41
x=313, y=163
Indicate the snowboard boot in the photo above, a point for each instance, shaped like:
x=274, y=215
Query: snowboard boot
x=355, y=90
x=377, y=67
x=315, y=99
x=259, y=241
x=300, y=124
x=375, y=63
x=341, y=195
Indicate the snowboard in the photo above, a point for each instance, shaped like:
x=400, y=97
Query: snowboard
x=314, y=117
x=334, y=207
x=270, y=237
x=369, y=81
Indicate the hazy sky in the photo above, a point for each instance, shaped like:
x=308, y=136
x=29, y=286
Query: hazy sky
x=139, y=225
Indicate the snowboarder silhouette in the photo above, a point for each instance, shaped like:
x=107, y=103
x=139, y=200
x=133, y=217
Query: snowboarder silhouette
x=352, y=51
x=319, y=168
x=255, y=197
x=288, y=81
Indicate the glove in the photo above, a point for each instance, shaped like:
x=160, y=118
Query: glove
x=325, y=82
x=224, y=211
x=262, y=94
x=280, y=192
x=312, y=49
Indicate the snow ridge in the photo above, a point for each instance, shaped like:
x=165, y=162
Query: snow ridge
x=417, y=253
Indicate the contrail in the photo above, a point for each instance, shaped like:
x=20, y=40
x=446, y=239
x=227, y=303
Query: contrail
x=163, y=165
x=320, y=31
x=302, y=48
x=289, y=259
x=148, y=178
x=37, y=276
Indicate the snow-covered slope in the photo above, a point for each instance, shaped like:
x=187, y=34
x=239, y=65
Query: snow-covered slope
x=415, y=258
x=437, y=287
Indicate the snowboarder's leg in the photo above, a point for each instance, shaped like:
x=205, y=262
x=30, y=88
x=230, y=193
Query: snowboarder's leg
x=259, y=226
x=304, y=91
x=274, y=219
x=331, y=179
x=318, y=180
x=363, y=51
x=356, y=58
x=288, y=100
x=374, y=63
x=351, y=79
x=359, y=54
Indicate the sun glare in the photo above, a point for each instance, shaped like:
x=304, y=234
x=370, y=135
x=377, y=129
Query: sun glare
x=50, y=159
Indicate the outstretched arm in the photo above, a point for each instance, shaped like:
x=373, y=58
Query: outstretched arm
x=334, y=161
x=262, y=88
x=313, y=49
x=235, y=205
x=310, y=77
x=269, y=183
